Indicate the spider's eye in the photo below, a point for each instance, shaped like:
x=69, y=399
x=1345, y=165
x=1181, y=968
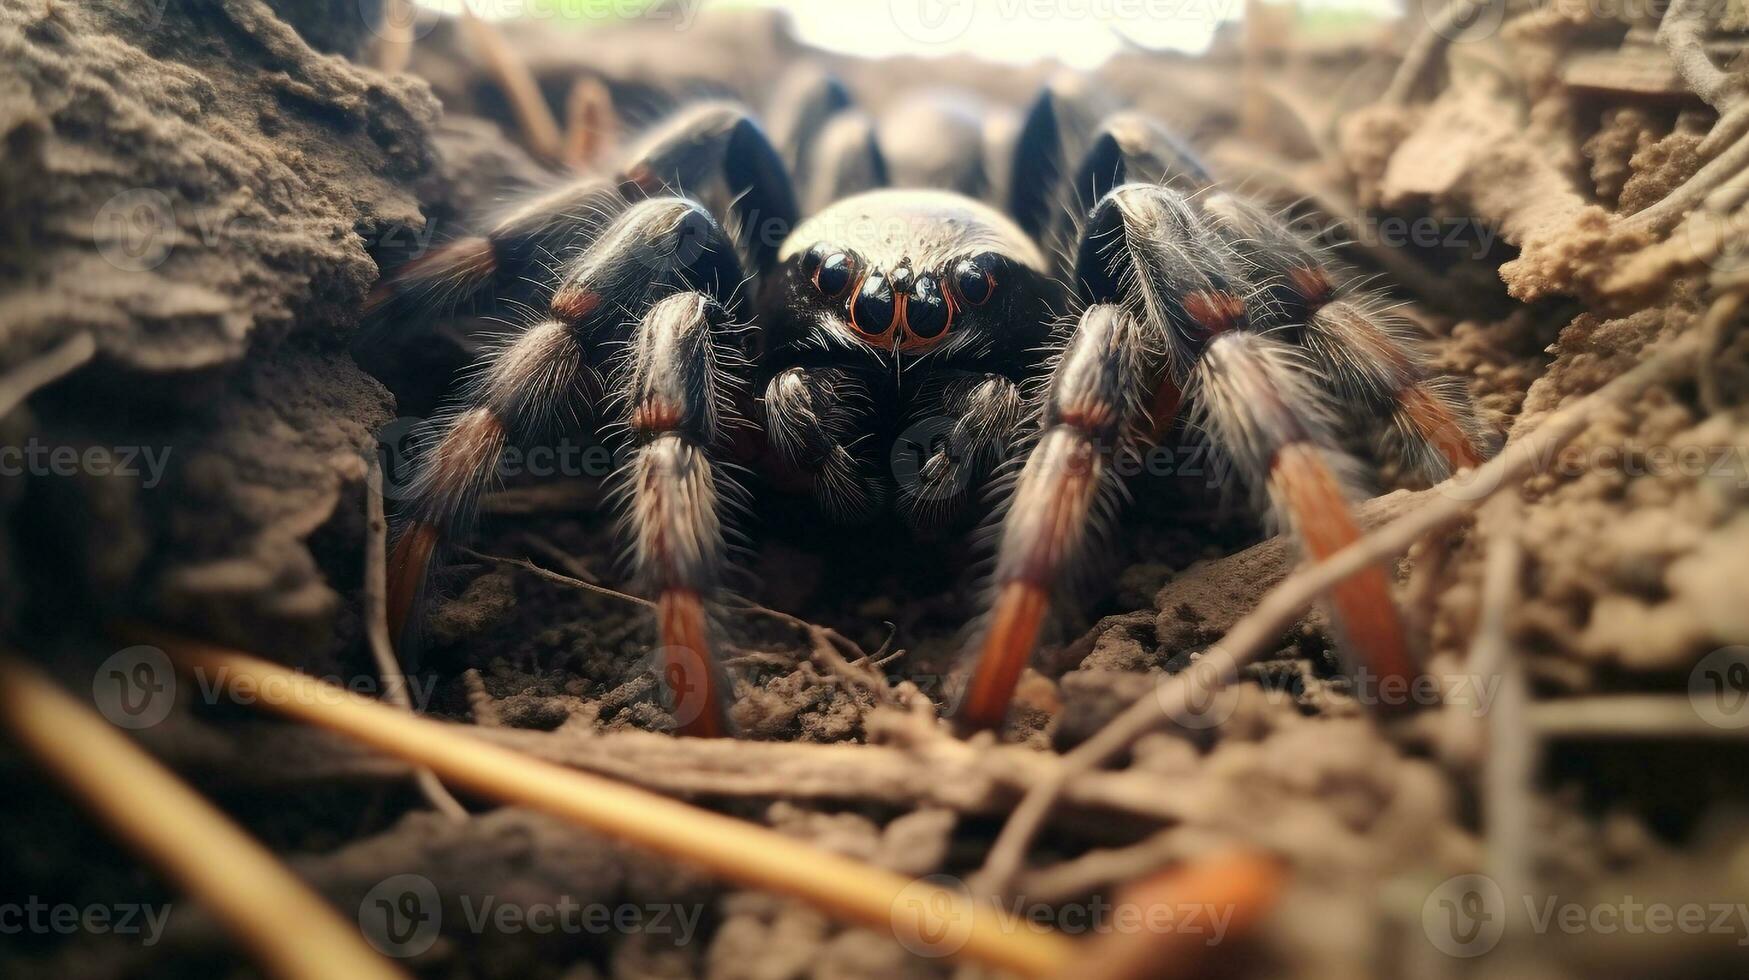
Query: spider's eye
x=871, y=312
x=831, y=272
x=927, y=313
x=973, y=280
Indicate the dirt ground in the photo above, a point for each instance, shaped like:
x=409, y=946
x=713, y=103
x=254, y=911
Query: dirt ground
x=196, y=199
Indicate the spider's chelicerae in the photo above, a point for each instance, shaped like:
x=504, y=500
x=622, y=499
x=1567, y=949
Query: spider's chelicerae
x=696, y=315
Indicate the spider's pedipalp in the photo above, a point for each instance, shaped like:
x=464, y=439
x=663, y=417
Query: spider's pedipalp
x=814, y=418
x=1144, y=247
x=960, y=429
x=1088, y=408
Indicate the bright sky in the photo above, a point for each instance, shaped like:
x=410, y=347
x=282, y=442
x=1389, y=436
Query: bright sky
x=1079, y=33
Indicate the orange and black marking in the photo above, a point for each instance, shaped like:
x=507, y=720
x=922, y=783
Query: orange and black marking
x=574, y=304
x=1215, y=312
x=1312, y=286
x=639, y=182
x=1434, y=421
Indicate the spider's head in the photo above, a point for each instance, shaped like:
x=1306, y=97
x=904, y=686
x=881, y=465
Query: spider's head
x=910, y=273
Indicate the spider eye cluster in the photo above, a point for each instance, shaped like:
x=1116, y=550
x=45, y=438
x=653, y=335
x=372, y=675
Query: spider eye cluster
x=974, y=280
x=921, y=305
x=830, y=270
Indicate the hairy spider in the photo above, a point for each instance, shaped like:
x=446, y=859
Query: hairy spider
x=707, y=326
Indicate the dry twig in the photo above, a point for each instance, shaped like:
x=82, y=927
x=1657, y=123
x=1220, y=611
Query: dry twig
x=735, y=850
x=376, y=619
x=1424, y=52
x=23, y=381
x=290, y=930
x=1510, y=766
x=1683, y=32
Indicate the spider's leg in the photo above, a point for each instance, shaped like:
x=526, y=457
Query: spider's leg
x=675, y=398
x=1092, y=402
x=830, y=145
x=709, y=146
x=653, y=248
x=520, y=387
x=960, y=427
x=534, y=117
x=592, y=126
x=1055, y=135
x=1131, y=148
x=813, y=418
x=1367, y=356
x=1257, y=399
x=1170, y=314
x=1256, y=395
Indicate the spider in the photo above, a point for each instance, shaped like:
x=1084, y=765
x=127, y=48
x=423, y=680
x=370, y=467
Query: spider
x=711, y=328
